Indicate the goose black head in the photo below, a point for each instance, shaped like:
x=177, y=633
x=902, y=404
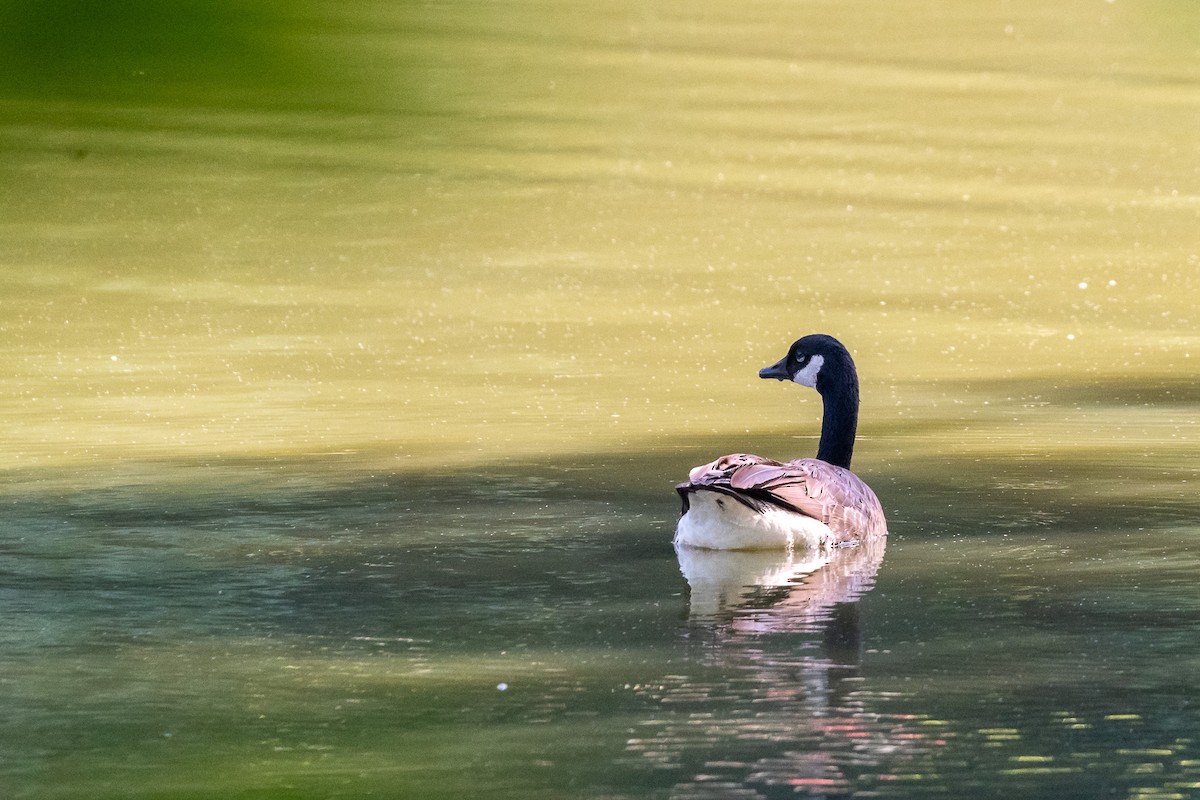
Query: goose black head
x=818, y=361
x=822, y=362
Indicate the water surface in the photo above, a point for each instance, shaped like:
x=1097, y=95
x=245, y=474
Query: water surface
x=349, y=358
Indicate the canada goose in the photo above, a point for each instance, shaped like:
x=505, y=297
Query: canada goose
x=747, y=502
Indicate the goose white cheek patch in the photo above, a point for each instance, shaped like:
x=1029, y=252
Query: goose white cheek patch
x=808, y=375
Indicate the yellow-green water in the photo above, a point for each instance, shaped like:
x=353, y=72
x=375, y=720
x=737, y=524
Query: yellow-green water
x=348, y=357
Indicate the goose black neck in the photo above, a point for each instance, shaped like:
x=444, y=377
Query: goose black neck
x=840, y=421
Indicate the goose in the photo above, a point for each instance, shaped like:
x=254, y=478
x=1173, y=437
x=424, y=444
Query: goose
x=747, y=502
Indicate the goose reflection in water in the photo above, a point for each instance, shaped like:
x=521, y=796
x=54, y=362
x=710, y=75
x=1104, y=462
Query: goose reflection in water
x=764, y=591
x=775, y=701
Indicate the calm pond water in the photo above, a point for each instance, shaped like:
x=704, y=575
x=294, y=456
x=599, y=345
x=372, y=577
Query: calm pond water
x=350, y=355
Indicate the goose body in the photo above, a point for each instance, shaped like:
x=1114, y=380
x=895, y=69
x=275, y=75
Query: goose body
x=747, y=502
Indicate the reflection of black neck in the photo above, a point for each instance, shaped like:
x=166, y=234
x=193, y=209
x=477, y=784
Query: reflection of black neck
x=840, y=420
x=843, y=635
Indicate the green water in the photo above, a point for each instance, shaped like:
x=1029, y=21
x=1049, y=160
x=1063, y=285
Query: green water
x=349, y=356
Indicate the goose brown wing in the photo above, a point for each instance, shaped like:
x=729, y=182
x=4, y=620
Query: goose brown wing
x=834, y=495
x=722, y=470
x=809, y=486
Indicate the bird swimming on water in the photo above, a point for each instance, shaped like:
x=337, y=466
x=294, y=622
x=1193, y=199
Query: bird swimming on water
x=747, y=502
